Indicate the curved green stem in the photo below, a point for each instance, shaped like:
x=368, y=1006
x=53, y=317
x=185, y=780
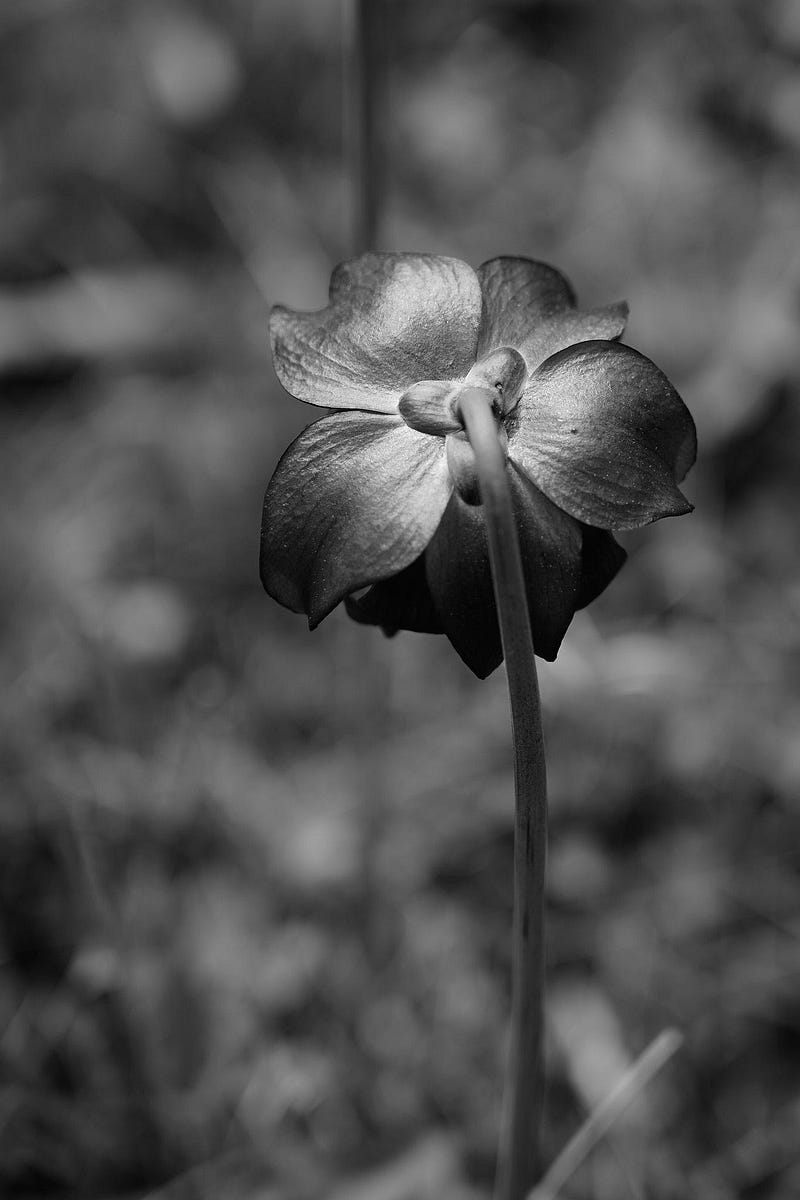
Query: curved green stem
x=519, y=1163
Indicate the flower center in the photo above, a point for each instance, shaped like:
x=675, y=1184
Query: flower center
x=431, y=406
x=504, y=371
x=461, y=457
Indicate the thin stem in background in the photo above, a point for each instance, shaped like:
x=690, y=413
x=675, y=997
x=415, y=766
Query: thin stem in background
x=372, y=677
x=598, y=1124
x=361, y=66
x=519, y=1161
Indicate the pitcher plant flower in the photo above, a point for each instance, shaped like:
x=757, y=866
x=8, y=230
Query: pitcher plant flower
x=381, y=493
x=486, y=437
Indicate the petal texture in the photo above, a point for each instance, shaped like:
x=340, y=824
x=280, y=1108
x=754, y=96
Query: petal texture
x=517, y=294
x=354, y=500
x=392, y=319
x=531, y=306
x=603, y=433
x=459, y=574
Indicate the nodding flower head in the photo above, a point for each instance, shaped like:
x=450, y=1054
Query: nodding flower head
x=381, y=493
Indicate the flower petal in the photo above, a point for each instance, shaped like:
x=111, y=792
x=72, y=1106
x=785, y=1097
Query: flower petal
x=550, y=542
x=518, y=293
x=392, y=319
x=567, y=329
x=354, y=500
x=460, y=580
x=605, y=435
x=601, y=559
x=402, y=602
x=459, y=574
x=531, y=306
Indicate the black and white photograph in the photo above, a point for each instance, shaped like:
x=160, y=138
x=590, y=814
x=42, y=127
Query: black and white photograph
x=400, y=599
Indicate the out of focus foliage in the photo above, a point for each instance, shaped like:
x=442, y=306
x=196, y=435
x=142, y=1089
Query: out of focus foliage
x=254, y=897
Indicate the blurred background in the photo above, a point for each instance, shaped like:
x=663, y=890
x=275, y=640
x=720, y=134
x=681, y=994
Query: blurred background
x=254, y=933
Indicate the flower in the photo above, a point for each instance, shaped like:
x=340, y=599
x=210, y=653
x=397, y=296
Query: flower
x=381, y=493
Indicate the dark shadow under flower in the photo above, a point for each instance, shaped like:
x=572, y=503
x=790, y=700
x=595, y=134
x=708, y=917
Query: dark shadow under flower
x=382, y=494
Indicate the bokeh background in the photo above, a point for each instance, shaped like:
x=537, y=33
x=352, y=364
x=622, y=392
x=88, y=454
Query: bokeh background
x=255, y=883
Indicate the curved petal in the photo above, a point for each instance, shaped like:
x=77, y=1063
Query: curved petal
x=460, y=581
x=392, y=319
x=459, y=574
x=605, y=435
x=355, y=499
x=550, y=542
x=567, y=329
x=402, y=602
x=531, y=306
x=601, y=559
x=518, y=293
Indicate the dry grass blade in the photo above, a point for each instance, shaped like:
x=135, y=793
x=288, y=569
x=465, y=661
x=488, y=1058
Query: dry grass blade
x=597, y=1125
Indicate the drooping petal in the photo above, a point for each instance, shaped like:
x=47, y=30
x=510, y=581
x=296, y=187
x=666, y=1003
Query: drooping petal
x=459, y=574
x=550, y=542
x=601, y=559
x=460, y=580
x=354, y=500
x=531, y=306
x=402, y=602
x=605, y=435
x=392, y=319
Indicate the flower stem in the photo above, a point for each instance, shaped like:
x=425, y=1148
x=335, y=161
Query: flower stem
x=360, y=70
x=519, y=1162
x=361, y=73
